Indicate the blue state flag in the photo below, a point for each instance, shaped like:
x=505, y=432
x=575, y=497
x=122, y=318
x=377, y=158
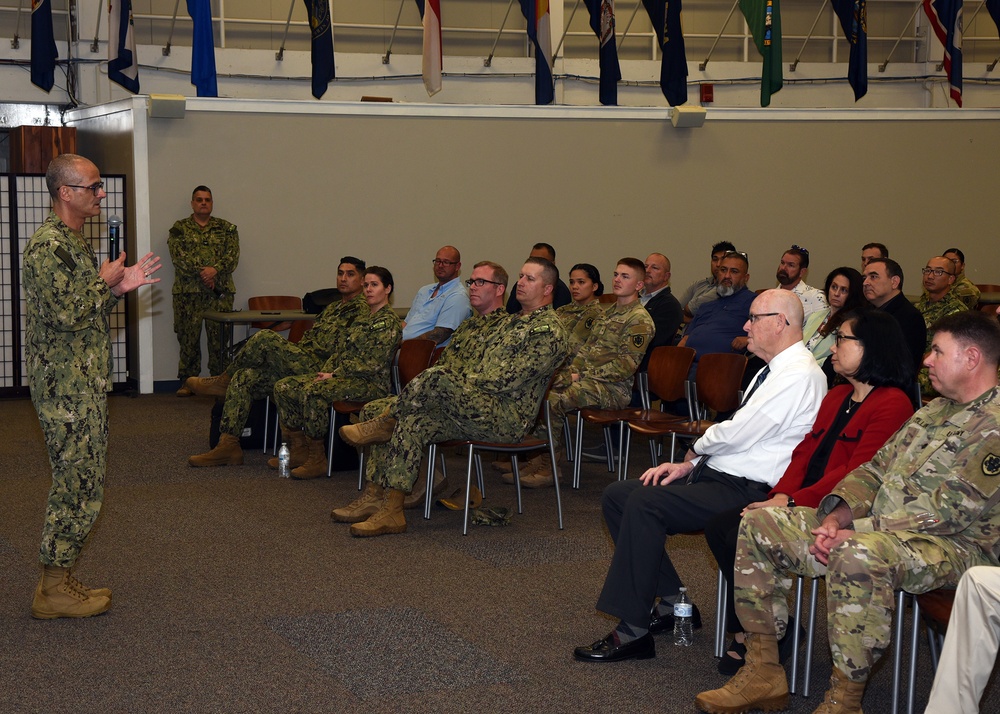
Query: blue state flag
x=43, y=45
x=994, y=7
x=602, y=22
x=203, y=75
x=853, y=15
x=123, y=63
x=322, y=45
x=665, y=15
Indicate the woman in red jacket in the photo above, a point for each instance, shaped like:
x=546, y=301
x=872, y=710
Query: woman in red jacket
x=854, y=421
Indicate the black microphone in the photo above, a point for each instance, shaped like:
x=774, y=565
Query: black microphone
x=114, y=234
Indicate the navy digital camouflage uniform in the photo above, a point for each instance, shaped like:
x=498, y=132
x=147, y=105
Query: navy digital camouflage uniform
x=496, y=399
x=606, y=363
x=191, y=249
x=68, y=363
x=360, y=368
x=268, y=357
x=919, y=523
x=578, y=321
x=465, y=348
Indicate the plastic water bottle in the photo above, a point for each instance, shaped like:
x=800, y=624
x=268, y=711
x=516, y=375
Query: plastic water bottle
x=683, y=626
x=284, y=455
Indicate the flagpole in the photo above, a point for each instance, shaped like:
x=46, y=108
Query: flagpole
x=488, y=62
x=793, y=65
x=280, y=54
x=629, y=25
x=881, y=67
x=701, y=66
x=392, y=38
x=170, y=37
x=566, y=31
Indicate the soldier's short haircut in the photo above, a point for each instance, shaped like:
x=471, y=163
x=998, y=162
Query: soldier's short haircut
x=635, y=264
x=206, y=189
x=62, y=170
x=956, y=251
x=892, y=269
x=550, y=273
x=383, y=274
x=876, y=246
x=593, y=273
x=547, y=247
x=499, y=274
x=723, y=245
x=883, y=342
x=356, y=262
x=973, y=327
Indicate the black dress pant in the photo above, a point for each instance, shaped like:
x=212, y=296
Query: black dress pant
x=641, y=518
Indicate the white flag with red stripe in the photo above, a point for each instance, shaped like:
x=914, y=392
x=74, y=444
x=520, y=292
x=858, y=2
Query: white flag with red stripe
x=430, y=11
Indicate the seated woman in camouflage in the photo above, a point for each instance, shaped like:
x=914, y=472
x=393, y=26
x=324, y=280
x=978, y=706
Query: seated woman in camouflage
x=578, y=317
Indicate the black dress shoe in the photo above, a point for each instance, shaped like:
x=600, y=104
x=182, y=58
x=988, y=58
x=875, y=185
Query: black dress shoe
x=659, y=625
x=607, y=651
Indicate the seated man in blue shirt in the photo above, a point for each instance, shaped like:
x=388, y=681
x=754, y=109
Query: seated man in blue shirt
x=438, y=308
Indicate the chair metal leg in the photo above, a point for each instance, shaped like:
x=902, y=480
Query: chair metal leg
x=479, y=474
x=721, y=596
x=653, y=458
x=914, y=647
x=897, y=663
x=267, y=422
x=567, y=437
x=429, y=496
x=517, y=481
x=361, y=467
x=628, y=446
x=795, y=635
x=331, y=437
x=555, y=481
x=608, y=449
x=579, y=452
x=468, y=484
x=810, y=636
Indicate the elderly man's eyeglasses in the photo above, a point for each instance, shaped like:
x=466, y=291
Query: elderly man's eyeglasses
x=753, y=318
x=839, y=337
x=438, y=261
x=93, y=188
x=480, y=282
x=936, y=272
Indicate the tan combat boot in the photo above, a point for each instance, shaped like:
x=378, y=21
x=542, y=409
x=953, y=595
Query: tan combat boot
x=59, y=595
x=525, y=469
x=99, y=592
x=415, y=498
x=298, y=447
x=542, y=475
x=374, y=431
x=760, y=683
x=843, y=696
x=388, y=519
x=208, y=386
x=226, y=453
x=361, y=508
x=316, y=463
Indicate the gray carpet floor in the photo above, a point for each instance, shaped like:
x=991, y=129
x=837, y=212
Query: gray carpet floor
x=235, y=592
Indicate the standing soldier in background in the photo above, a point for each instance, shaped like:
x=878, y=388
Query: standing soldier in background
x=68, y=361
x=205, y=252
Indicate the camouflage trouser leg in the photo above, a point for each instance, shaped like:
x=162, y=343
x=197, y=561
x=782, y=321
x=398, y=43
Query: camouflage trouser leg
x=264, y=359
x=213, y=333
x=861, y=578
x=439, y=407
x=76, y=436
x=303, y=403
x=585, y=393
x=376, y=406
x=188, y=310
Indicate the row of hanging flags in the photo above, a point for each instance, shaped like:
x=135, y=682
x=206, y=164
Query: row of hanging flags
x=763, y=17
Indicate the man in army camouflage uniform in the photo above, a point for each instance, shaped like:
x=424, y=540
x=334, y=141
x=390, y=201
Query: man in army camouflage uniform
x=268, y=357
x=495, y=398
x=915, y=517
x=936, y=301
x=601, y=373
x=205, y=252
x=358, y=370
x=68, y=361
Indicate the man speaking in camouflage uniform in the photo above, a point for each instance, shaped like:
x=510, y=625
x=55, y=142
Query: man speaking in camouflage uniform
x=914, y=518
x=268, y=357
x=495, y=399
x=600, y=374
x=68, y=360
x=205, y=251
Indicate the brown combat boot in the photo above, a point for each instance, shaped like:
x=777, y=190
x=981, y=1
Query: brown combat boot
x=315, y=464
x=415, y=498
x=226, y=453
x=99, y=592
x=59, y=594
x=525, y=469
x=374, y=431
x=388, y=519
x=298, y=447
x=361, y=508
x=208, y=386
x=843, y=696
x=542, y=475
x=760, y=683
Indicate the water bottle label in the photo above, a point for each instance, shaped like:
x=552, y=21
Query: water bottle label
x=682, y=609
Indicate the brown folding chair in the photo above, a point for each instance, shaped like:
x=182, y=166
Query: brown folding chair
x=716, y=387
x=412, y=357
x=273, y=302
x=666, y=374
x=298, y=329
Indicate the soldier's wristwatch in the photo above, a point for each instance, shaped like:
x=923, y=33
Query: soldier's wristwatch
x=791, y=503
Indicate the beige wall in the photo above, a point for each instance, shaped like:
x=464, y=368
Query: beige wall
x=305, y=189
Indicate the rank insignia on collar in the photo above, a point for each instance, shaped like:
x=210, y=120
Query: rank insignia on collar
x=638, y=340
x=991, y=465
